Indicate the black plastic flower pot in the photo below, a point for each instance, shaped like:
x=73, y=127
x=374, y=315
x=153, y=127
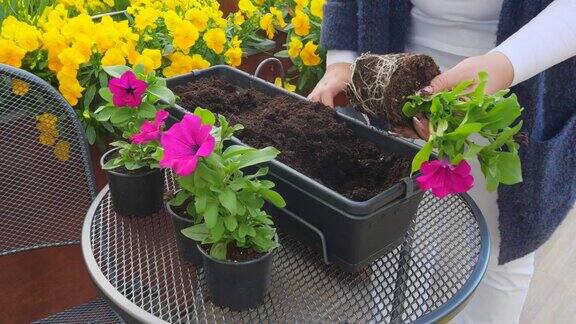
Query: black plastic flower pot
x=237, y=285
x=188, y=248
x=350, y=233
x=135, y=194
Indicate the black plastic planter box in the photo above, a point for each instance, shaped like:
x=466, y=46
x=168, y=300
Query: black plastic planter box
x=350, y=233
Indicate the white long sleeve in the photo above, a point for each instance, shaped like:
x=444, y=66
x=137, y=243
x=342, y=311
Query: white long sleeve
x=340, y=56
x=545, y=41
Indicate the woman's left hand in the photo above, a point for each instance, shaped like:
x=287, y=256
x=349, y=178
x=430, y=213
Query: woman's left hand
x=500, y=76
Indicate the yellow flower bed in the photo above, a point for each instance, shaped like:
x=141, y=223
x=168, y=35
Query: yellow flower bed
x=69, y=48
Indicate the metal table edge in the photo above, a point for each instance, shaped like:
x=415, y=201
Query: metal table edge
x=455, y=304
x=109, y=292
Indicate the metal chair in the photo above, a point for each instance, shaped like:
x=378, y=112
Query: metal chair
x=46, y=179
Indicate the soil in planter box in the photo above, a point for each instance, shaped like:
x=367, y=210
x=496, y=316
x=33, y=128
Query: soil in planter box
x=309, y=137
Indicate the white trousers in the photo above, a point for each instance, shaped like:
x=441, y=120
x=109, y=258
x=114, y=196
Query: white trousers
x=501, y=295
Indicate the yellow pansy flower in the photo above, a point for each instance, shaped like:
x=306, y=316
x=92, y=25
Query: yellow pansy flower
x=215, y=39
x=113, y=56
x=259, y=2
x=317, y=8
x=71, y=57
x=294, y=47
x=198, y=62
x=267, y=24
x=238, y=19
x=278, y=16
x=62, y=151
x=287, y=86
x=301, y=23
x=301, y=3
x=236, y=42
x=28, y=37
x=308, y=54
x=234, y=56
x=247, y=8
x=184, y=35
x=69, y=86
x=151, y=59
x=146, y=18
x=198, y=18
x=10, y=53
x=20, y=87
x=46, y=122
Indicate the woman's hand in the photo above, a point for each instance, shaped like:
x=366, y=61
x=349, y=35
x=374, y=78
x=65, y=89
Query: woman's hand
x=334, y=81
x=500, y=76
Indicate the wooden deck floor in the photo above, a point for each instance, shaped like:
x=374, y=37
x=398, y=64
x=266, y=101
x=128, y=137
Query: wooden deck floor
x=552, y=296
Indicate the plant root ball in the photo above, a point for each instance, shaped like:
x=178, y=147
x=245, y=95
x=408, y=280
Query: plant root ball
x=380, y=84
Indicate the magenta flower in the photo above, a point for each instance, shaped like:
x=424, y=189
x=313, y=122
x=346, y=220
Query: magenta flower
x=127, y=90
x=150, y=130
x=444, y=178
x=184, y=143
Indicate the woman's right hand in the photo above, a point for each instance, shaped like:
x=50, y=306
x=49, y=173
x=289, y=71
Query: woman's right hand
x=334, y=81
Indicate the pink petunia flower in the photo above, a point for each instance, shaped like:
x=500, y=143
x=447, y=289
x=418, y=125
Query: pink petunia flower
x=150, y=130
x=127, y=90
x=444, y=178
x=185, y=143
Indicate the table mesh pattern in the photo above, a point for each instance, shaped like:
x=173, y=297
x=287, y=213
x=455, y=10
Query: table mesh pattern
x=96, y=311
x=44, y=187
x=140, y=259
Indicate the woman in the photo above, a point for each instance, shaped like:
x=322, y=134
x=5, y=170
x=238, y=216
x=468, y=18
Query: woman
x=536, y=45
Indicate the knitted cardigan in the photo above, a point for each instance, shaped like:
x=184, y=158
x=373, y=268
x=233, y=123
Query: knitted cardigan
x=529, y=211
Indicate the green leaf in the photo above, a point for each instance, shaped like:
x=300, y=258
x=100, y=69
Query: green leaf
x=200, y=203
x=147, y=110
x=243, y=230
x=121, y=115
x=218, y=231
x=509, y=168
x=211, y=214
x=422, y=156
x=273, y=197
x=282, y=54
x=503, y=114
x=105, y=113
x=197, y=233
x=464, y=130
x=91, y=134
x=89, y=95
x=179, y=199
x=230, y=222
x=257, y=157
x=473, y=150
x=234, y=150
x=206, y=116
x=105, y=94
x=103, y=78
x=219, y=251
x=163, y=93
x=228, y=200
x=116, y=71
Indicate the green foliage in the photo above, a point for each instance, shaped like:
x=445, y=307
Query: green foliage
x=456, y=114
x=226, y=195
x=28, y=11
x=127, y=121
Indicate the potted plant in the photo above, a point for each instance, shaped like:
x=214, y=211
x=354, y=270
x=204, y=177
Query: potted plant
x=224, y=194
x=134, y=106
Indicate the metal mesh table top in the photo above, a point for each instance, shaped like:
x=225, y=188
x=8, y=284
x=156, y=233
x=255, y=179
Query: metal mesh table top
x=136, y=265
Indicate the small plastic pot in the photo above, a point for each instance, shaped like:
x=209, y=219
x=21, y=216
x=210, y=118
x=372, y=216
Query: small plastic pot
x=187, y=247
x=238, y=285
x=138, y=194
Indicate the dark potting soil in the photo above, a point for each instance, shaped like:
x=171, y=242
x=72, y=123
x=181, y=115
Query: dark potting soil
x=308, y=135
x=381, y=83
x=237, y=254
x=123, y=170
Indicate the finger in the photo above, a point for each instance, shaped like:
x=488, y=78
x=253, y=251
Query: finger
x=313, y=96
x=446, y=80
x=421, y=128
x=328, y=98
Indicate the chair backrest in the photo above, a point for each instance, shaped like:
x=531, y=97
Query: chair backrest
x=46, y=179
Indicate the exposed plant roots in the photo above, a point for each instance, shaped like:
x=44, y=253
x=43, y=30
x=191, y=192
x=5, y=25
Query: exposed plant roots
x=380, y=83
